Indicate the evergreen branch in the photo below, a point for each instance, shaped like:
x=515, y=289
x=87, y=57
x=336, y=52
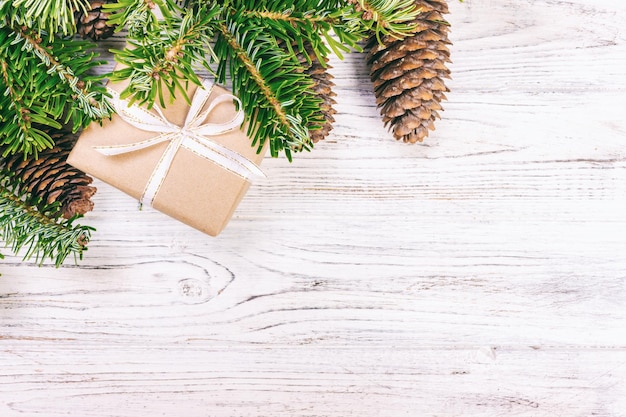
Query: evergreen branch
x=290, y=26
x=286, y=16
x=309, y=20
x=166, y=60
x=275, y=93
x=45, y=16
x=242, y=55
x=138, y=15
x=42, y=236
x=22, y=121
x=93, y=108
x=382, y=17
x=32, y=96
x=17, y=109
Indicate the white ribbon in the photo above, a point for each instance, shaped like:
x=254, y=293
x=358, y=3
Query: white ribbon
x=193, y=135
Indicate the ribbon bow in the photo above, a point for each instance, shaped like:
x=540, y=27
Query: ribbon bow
x=193, y=135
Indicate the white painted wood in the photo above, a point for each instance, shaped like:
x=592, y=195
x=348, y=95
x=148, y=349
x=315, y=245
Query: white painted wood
x=480, y=274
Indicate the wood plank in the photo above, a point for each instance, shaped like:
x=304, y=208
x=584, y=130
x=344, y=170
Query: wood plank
x=311, y=381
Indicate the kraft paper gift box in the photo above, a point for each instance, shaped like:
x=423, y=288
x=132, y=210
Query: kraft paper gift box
x=208, y=175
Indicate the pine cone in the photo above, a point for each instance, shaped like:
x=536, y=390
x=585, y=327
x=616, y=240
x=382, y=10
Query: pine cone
x=408, y=73
x=93, y=24
x=50, y=179
x=322, y=87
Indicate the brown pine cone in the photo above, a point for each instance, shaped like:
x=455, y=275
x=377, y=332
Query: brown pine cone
x=49, y=179
x=408, y=74
x=93, y=24
x=322, y=87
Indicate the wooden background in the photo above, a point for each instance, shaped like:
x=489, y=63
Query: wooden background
x=480, y=274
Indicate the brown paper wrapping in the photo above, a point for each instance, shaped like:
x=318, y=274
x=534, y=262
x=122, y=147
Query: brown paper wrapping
x=195, y=191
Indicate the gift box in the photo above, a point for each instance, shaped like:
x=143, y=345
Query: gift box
x=191, y=162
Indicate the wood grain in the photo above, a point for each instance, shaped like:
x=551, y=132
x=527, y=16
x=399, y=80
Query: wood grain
x=482, y=273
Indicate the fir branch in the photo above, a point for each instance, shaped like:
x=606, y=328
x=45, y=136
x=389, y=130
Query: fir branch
x=305, y=21
x=274, y=91
x=85, y=98
x=31, y=67
x=45, y=16
x=382, y=17
x=138, y=15
x=242, y=55
x=40, y=235
x=167, y=59
x=21, y=126
x=287, y=16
